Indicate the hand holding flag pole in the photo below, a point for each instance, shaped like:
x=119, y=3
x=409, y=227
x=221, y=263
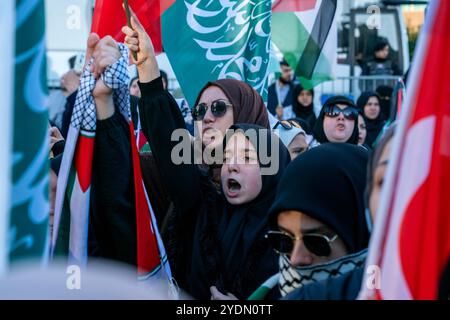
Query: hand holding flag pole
x=138, y=42
x=128, y=14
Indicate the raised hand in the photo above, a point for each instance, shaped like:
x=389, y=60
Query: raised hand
x=104, y=52
x=139, y=41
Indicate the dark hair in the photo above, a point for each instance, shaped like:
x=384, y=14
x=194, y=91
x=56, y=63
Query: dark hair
x=299, y=88
x=364, y=98
x=71, y=62
x=131, y=81
x=284, y=63
x=380, y=45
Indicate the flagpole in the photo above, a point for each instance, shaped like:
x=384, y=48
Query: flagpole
x=7, y=17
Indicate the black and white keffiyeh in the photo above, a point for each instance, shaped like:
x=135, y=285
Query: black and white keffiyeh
x=115, y=77
x=292, y=278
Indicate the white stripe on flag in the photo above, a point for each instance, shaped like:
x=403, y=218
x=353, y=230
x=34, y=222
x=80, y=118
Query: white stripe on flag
x=7, y=17
x=61, y=185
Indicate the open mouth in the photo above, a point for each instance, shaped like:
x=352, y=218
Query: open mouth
x=233, y=187
x=205, y=130
x=209, y=134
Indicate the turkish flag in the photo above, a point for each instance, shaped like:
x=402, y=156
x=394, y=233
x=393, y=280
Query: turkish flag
x=411, y=240
x=109, y=18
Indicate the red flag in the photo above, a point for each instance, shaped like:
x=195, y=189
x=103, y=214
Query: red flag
x=293, y=5
x=411, y=240
x=109, y=18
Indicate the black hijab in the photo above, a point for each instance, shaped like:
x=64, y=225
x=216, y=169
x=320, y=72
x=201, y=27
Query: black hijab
x=319, y=133
x=304, y=112
x=242, y=227
x=327, y=183
x=373, y=126
x=385, y=93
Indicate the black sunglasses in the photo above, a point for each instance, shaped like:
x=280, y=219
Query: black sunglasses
x=317, y=244
x=287, y=125
x=349, y=113
x=218, y=109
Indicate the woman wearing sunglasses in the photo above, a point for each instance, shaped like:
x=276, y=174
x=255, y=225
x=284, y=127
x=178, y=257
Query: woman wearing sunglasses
x=318, y=223
x=337, y=121
x=222, y=103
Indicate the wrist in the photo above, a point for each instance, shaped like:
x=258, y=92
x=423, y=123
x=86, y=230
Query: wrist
x=148, y=70
x=105, y=106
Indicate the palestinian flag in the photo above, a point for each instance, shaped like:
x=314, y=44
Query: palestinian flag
x=210, y=40
x=70, y=236
x=305, y=32
x=411, y=240
x=264, y=289
x=24, y=145
x=109, y=18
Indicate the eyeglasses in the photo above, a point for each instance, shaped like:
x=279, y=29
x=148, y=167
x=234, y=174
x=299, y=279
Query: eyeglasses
x=283, y=242
x=218, y=109
x=287, y=125
x=349, y=113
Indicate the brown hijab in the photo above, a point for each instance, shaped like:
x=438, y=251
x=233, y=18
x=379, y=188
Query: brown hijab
x=248, y=105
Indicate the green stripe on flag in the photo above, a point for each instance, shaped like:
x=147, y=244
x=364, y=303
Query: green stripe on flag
x=265, y=288
x=308, y=41
x=291, y=43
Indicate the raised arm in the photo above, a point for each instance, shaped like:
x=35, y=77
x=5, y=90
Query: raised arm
x=160, y=117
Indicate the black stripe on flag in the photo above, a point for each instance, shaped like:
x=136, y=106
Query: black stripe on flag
x=317, y=38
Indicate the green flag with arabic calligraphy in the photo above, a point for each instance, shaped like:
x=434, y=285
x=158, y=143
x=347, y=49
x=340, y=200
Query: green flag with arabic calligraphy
x=208, y=40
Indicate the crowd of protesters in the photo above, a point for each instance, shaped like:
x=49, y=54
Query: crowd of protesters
x=232, y=226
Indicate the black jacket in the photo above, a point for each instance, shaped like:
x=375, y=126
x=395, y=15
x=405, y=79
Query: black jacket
x=112, y=221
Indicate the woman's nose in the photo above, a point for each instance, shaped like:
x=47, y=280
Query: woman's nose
x=209, y=117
